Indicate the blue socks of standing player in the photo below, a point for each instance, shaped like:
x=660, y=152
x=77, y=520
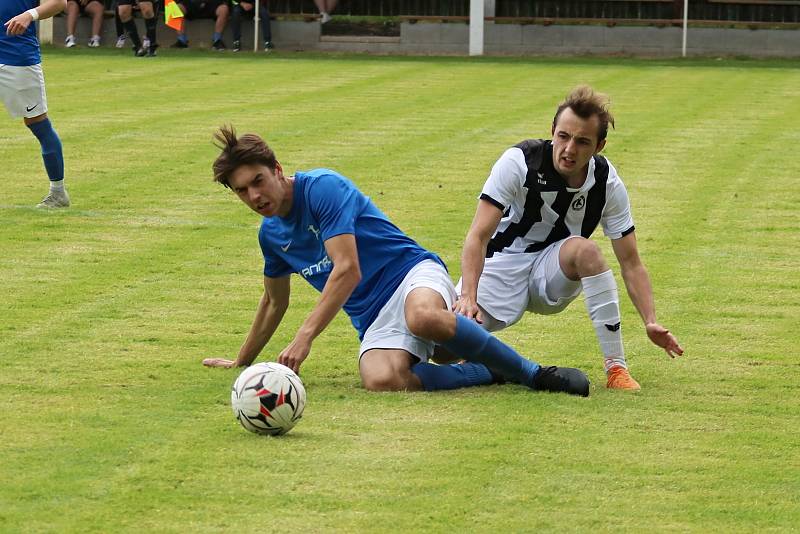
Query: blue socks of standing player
x=475, y=344
x=454, y=376
x=51, y=149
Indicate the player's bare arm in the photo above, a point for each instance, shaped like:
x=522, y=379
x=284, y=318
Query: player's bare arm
x=46, y=9
x=270, y=312
x=484, y=224
x=637, y=282
x=344, y=278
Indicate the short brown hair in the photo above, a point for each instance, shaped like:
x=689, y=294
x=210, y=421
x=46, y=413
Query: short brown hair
x=249, y=149
x=585, y=102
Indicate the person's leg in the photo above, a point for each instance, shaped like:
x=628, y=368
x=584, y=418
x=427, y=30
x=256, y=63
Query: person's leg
x=322, y=6
x=125, y=9
x=73, y=12
x=221, y=20
x=95, y=10
x=183, y=39
x=388, y=370
x=237, y=11
x=149, y=15
x=581, y=259
x=266, y=25
x=53, y=158
x=428, y=316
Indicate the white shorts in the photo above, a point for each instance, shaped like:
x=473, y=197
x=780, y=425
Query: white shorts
x=390, y=331
x=22, y=90
x=512, y=284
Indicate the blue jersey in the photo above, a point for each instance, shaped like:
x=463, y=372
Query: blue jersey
x=18, y=50
x=327, y=204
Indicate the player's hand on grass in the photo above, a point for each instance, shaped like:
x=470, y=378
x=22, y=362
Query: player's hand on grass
x=19, y=24
x=218, y=362
x=295, y=354
x=467, y=307
x=664, y=339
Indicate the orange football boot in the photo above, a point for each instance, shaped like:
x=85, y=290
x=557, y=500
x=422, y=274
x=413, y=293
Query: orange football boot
x=620, y=378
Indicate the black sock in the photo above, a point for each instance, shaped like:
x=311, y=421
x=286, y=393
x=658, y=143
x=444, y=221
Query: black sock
x=150, y=25
x=133, y=33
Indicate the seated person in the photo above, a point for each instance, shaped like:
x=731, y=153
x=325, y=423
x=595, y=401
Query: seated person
x=125, y=11
x=198, y=9
x=91, y=8
x=243, y=8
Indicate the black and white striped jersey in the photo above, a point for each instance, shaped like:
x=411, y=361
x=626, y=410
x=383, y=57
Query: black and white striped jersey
x=538, y=207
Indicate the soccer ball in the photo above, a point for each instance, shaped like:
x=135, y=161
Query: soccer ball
x=268, y=398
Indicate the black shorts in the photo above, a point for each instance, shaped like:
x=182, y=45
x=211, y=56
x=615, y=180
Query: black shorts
x=83, y=7
x=201, y=9
x=130, y=2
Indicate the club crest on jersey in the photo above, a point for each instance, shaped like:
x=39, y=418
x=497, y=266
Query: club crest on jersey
x=540, y=178
x=579, y=203
x=313, y=230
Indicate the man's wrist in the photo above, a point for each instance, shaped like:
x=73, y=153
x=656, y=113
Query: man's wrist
x=33, y=13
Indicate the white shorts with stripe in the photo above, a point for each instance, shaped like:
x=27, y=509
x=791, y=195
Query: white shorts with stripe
x=512, y=284
x=22, y=90
x=390, y=331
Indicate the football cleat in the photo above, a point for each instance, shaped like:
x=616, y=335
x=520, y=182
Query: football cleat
x=218, y=45
x=620, y=378
x=94, y=42
x=55, y=199
x=70, y=41
x=120, y=41
x=180, y=44
x=268, y=46
x=562, y=380
x=237, y=46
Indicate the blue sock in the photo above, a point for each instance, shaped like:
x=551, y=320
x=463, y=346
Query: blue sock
x=475, y=344
x=454, y=376
x=216, y=37
x=51, y=149
x=183, y=38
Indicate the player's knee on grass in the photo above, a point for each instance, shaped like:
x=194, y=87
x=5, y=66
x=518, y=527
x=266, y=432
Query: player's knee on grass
x=388, y=371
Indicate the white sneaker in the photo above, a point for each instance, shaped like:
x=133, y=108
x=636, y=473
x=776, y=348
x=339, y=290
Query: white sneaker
x=55, y=199
x=325, y=18
x=120, y=41
x=94, y=42
x=70, y=41
x=146, y=43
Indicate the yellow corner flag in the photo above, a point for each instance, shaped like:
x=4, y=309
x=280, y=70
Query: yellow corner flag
x=173, y=16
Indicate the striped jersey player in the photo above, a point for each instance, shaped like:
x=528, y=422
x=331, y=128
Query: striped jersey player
x=22, y=84
x=528, y=248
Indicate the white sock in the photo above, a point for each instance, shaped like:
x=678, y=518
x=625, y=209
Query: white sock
x=602, y=303
x=57, y=187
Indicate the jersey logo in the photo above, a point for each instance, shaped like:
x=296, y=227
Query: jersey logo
x=30, y=108
x=579, y=203
x=285, y=248
x=541, y=179
x=613, y=327
x=313, y=230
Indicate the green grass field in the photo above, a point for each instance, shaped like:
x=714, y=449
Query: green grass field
x=110, y=423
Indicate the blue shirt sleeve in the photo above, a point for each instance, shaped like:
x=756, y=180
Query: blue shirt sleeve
x=335, y=204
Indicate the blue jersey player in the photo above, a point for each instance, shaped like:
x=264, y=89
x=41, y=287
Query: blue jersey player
x=398, y=295
x=22, y=84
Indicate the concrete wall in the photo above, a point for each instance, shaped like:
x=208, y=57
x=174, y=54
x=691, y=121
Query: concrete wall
x=500, y=39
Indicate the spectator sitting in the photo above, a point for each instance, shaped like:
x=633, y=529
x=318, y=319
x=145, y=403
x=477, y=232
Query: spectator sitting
x=193, y=9
x=92, y=8
x=242, y=8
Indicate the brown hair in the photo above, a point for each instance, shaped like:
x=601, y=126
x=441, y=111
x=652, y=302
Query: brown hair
x=585, y=102
x=249, y=149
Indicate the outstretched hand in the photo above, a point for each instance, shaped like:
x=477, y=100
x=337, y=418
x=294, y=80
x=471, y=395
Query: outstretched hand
x=468, y=308
x=218, y=362
x=664, y=339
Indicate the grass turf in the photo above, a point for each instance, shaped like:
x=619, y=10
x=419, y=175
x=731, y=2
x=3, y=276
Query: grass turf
x=110, y=423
